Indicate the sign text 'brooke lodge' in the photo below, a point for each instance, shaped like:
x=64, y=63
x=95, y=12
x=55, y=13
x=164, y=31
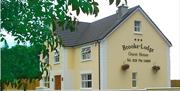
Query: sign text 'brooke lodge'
x=136, y=46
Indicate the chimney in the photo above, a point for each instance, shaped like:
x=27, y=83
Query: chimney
x=122, y=10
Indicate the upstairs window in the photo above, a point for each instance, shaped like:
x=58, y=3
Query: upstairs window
x=137, y=26
x=86, y=53
x=86, y=80
x=56, y=56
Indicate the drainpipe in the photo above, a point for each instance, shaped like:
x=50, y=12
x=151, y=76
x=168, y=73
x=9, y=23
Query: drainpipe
x=99, y=64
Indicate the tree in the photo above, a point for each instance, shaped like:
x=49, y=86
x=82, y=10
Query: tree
x=20, y=65
x=34, y=20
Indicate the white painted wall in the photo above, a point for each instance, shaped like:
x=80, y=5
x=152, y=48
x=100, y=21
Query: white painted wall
x=103, y=64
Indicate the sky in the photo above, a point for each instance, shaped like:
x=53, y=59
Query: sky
x=165, y=14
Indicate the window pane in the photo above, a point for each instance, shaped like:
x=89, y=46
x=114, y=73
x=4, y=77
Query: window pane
x=89, y=76
x=83, y=84
x=82, y=50
x=88, y=50
x=86, y=77
x=88, y=56
x=137, y=29
x=86, y=84
x=85, y=52
x=137, y=23
x=86, y=80
x=56, y=58
x=83, y=77
x=133, y=83
x=56, y=55
x=89, y=84
x=134, y=75
x=137, y=26
x=83, y=56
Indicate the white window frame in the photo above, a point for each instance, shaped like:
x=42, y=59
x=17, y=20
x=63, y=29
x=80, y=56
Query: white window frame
x=56, y=54
x=87, y=59
x=87, y=80
x=137, y=27
x=134, y=79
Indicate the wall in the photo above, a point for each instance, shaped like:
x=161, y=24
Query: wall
x=72, y=65
x=77, y=66
x=124, y=35
x=55, y=68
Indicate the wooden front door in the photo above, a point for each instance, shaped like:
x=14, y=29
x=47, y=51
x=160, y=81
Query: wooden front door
x=57, y=82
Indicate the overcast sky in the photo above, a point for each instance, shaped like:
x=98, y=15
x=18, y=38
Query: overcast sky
x=166, y=15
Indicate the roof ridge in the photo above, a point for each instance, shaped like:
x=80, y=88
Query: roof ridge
x=114, y=14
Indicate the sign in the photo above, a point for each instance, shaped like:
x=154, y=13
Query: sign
x=138, y=56
x=135, y=46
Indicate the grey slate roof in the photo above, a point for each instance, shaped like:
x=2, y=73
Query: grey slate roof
x=90, y=32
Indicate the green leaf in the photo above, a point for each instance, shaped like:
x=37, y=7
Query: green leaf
x=30, y=20
x=2, y=39
x=75, y=5
x=18, y=41
x=111, y=1
x=21, y=59
x=117, y=2
x=95, y=3
x=77, y=11
x=96, y=11
x=126, y=2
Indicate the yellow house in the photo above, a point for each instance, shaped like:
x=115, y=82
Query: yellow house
x=123, y=51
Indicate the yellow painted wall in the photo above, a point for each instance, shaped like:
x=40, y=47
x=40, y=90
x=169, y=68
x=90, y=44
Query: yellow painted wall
x=124, y=35
x=55, y=67
x=116, y=57
x=76, y=65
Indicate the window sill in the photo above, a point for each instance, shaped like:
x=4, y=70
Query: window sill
x=138, y=33
x=134, y=87
x=86, y=60
x=85, y=88
x=56, y=63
